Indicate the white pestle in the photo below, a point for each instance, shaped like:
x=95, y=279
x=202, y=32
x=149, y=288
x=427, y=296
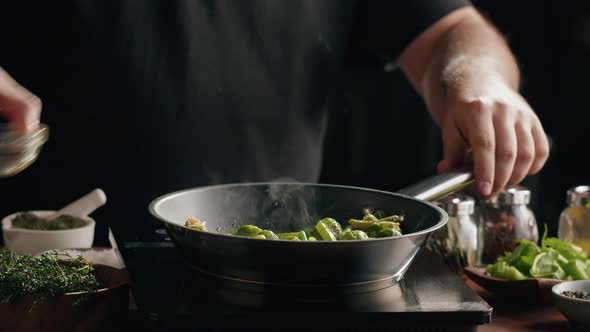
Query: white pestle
x=83, y=206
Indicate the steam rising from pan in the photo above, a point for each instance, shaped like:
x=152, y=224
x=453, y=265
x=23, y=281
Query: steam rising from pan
x=276, y=207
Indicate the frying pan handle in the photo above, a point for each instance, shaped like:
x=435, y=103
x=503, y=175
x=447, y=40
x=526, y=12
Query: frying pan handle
x=437, y=186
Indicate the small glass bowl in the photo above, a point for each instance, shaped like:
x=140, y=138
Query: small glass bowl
x=17, y=152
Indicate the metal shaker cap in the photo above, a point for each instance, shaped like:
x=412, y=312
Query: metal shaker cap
x=512, y=195
x=457, y=204
x=579, y=195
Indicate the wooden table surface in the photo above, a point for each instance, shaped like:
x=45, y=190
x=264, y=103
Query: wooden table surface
x=516, y=317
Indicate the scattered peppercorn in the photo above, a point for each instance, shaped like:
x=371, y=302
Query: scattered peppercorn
x=578, y=294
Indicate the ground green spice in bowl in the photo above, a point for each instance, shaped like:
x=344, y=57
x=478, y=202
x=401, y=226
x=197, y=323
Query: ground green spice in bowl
x=28, y=220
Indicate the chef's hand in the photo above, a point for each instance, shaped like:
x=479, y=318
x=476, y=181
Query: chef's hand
x=469, y=79
x=17, y=104
x=505, y=136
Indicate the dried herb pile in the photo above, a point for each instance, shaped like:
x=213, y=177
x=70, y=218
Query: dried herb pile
x=48, y=275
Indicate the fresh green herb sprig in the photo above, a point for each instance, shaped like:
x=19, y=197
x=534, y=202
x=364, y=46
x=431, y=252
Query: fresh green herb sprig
x=48, y=275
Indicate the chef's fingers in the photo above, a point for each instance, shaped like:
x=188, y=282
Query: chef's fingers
x=17, y=104
x=481, y=138
x=506, y=145
x=541, y=147
x=525, y=152
x=454, y=146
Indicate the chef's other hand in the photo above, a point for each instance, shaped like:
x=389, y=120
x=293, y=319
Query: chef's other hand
x=18, y=105
x=505, y=136
x=469, y=78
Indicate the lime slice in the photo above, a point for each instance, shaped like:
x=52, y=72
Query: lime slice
x=370, y=217
x=302, y=236
x=504, y=271
x=332, y=225
x=393, y=218
x=576, y=269
x=325, y=231
x=545, y=266
x=360, y=224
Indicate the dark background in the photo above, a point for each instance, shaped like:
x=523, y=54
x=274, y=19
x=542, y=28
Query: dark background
x=381, y=136
x=397, y=143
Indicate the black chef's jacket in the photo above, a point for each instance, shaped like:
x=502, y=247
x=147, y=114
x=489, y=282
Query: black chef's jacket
x=147, y=97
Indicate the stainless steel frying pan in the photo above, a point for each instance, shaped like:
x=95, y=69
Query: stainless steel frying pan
x=293, y=206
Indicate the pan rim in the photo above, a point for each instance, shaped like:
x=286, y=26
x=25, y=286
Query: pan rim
x=444, y=217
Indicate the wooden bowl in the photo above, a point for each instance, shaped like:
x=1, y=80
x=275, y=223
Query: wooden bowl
x=529, y=291
x=100, y=311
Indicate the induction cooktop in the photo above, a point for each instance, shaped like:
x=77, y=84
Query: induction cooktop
x=170, y=295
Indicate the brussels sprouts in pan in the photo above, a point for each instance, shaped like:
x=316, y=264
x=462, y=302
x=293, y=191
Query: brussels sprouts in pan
x=326, y=229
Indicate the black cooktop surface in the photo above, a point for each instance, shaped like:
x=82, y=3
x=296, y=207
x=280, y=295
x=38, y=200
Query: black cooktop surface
x=171, y=295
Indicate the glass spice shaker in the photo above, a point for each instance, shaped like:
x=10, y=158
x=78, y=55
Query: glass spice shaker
x=574, y=221
x=503, y=221
x=17, y=152
x=456, y=242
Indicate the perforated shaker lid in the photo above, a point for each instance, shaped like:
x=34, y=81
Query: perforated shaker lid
x=513, y=195
x=579, y=195
x=457, y=204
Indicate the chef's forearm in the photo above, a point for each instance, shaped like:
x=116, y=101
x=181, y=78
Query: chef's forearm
x=464, y=56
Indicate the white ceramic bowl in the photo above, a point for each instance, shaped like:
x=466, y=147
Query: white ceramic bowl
x=28, y=241
x=577, y=311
